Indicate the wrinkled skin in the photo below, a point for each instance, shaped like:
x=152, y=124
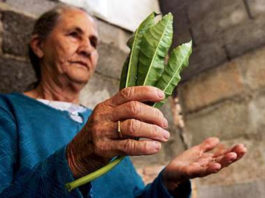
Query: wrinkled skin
x=198, y=161
x=99, y=140
x=68, y=59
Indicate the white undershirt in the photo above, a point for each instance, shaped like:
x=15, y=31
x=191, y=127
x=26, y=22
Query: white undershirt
x=71, y=108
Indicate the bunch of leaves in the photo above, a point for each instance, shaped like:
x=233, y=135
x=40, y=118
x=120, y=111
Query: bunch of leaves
x=145, y=65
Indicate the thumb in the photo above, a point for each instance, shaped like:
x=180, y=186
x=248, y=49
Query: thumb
x=209, y=144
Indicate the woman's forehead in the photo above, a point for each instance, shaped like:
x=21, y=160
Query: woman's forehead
x=76, y=17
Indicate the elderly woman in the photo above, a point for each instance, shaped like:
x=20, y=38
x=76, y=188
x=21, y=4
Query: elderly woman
x=47, y=139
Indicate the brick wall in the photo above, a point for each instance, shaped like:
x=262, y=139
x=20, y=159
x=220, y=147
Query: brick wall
x=223, y=90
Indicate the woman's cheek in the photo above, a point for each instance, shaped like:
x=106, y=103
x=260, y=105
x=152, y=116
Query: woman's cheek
x=68, y=47
x=70, y=50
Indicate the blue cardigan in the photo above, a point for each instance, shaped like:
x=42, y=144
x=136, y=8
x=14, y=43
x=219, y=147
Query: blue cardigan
x=33, y=139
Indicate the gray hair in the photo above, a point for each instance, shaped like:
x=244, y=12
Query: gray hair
x=43, y=27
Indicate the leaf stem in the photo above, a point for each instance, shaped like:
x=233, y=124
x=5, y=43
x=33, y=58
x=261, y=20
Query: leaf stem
x=90, y=177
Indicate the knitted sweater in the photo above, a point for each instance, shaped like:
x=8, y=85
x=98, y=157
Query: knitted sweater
x=33, y=139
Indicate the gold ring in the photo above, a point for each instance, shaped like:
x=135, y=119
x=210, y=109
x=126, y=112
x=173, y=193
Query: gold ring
x=119, y=129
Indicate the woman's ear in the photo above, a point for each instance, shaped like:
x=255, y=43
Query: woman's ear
x=36, y=46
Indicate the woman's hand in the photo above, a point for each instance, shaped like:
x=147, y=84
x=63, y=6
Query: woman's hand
x=198, y=162
x=99, y=140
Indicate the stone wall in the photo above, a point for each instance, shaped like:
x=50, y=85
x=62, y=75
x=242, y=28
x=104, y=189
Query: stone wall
x=16, y=74
x=223, y=90
x=222, y=93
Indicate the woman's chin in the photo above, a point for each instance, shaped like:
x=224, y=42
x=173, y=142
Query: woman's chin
x=79, y=79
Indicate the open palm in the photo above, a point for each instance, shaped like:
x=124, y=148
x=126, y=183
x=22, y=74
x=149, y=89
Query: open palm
x=199, y=162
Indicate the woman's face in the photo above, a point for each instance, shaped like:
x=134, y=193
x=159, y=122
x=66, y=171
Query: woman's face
x=70, y=50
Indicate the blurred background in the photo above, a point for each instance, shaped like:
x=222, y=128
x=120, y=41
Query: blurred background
x=222, y=92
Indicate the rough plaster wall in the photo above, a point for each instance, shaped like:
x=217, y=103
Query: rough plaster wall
x=220, y=29
x=223, y=89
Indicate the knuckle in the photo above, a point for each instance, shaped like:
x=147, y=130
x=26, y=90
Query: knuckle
x=155, y=132
x=129, y=146
x=98, y=107
x=97, y=111
x=158, y=113
x=127, y=93
x=145, y=147
x=133, y=125
x=134, y=108
x=102, y=111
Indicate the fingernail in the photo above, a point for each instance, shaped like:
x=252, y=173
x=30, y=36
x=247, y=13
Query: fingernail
x=166, y=135
x=165, y=123
x=160, y=93
x=156, y=146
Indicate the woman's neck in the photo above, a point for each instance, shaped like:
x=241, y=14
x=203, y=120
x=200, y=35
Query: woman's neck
x=49, y=91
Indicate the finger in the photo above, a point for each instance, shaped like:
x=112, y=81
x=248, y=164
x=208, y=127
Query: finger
x=136, y=128
x=205, y=159
x=209, y=144
x=213, y=167
x=226, y=159
x=200, y=170
x=136, y=147
x=139, y=111
x=240, y=150
x=137, y=93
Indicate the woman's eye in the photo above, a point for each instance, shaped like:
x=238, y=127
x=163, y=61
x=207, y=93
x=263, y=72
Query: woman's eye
x=94, y=42
x=74, y=34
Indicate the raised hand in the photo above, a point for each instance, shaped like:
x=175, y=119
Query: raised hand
x=199, y=162
x=99, y=140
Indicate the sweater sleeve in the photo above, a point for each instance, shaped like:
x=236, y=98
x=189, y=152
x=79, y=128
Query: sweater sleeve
x=45, y=179
x=157, y=190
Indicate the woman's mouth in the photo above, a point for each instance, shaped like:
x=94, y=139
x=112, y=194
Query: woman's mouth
x=82, y=63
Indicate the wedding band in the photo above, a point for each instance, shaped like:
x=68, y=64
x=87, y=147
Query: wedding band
x=119, y=129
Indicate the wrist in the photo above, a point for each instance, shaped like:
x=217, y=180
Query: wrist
x=176, y=187
x=182, y=189
x=169, y=184
x=75, y=169
x=81, y=165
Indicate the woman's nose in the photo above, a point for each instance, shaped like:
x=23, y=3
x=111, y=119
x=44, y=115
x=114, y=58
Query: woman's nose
x=85, y=48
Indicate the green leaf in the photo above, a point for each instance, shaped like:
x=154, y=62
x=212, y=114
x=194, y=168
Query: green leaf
x=179, y=59
x=124, y=73
x=129, y=74
x=154, y=48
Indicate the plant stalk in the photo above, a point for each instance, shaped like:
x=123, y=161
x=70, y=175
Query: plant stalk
x=90, y=177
